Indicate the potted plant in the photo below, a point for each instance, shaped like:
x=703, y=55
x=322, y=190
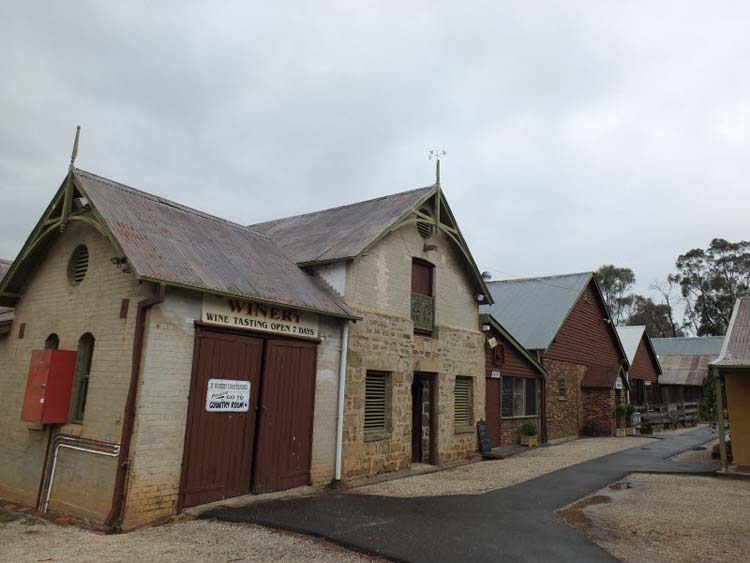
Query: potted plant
x=629, y=429
x=621, y=411
x=529, y=435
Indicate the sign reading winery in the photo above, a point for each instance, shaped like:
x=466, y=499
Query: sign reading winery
x=235, y=313
x=227, y=395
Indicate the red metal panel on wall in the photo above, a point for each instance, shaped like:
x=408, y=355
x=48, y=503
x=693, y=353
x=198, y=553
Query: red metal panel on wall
x=48, y=387
x=287, y=403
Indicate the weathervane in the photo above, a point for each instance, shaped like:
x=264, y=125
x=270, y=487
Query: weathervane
x=74, y=154
x=437, y=154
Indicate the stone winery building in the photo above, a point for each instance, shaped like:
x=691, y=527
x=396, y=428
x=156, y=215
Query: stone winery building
x=154, y=357
x=565, y=323
x=415, y=381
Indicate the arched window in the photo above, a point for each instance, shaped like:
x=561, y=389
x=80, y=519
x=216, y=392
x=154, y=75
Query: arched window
x=84, y=355
x=52, y=342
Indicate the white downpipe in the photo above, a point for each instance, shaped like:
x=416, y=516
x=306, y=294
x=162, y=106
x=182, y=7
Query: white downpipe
x=48, y=493
x=340, y=407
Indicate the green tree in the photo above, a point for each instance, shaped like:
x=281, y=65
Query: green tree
x=708, y=403
x=710, y=281
x=616, y=284
x=655, y=317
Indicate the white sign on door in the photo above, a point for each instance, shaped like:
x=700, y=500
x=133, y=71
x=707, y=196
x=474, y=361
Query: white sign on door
x=227, y=395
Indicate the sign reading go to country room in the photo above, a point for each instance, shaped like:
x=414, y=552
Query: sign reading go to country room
x=227, y=395
x=235, y=313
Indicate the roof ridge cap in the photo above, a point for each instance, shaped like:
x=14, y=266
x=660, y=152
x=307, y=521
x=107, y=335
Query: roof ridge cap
x=534, y=278
x=169, y=203
x=337, y=207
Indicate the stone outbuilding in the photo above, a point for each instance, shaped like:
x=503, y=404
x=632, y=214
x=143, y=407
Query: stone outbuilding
x=415, y=384
x=159, y=357
x=564, y=321
x=684, y=362
x=644, y=365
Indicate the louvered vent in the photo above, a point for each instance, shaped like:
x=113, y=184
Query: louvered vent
x=79, y=264
x=425, y=229
x=462, y=413
x=376, y=402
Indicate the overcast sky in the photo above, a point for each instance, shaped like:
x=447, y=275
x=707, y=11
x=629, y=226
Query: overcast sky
x=577, y=133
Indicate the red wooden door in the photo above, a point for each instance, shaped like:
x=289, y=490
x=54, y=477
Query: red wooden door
x=217, y=461
x=492, y=410
x=286, y=416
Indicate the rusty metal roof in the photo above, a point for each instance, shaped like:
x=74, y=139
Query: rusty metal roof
x=684, y=360
x=341, y=232
x=688, y=345
x=173, y=244
x=735, y=352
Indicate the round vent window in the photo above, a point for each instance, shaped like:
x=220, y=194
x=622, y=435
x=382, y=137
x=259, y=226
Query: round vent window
x=79, y=264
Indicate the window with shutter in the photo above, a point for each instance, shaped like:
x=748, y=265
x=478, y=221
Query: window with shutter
x=422, y=299
x=84, y=355
x=462, y=401
x=376, y=402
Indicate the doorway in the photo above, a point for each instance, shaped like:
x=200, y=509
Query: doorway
x=424, y=418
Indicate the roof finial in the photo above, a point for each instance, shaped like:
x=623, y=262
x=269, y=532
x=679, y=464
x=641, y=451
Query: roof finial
x=75, y=148
x=436, y=154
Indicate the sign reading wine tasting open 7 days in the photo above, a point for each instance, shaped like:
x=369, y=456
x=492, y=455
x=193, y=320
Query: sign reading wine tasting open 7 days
x=250, y=315
x=228, y=395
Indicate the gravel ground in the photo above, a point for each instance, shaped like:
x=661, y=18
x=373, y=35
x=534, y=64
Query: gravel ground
x=487, y=476
x=28, y=540
x=667, y=518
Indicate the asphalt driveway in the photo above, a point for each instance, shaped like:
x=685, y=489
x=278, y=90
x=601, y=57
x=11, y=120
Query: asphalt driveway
x=517, y=523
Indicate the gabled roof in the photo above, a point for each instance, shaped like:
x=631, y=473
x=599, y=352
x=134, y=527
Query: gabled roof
x=492, y=321
x=4, y=267
x=685, y=360
x=735, y=352
x=533, y=309
x=343, y=233
x=603, y=377
x=631, y=337
x=166, y=242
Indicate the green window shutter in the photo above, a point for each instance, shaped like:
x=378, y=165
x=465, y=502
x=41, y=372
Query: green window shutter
x=462, y=412
x=376, y=402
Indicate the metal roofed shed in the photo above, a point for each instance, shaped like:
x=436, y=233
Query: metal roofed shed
x=685, y=360
x=689, y=345
x=533, y=309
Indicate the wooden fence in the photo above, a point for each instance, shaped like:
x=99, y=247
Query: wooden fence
x=670, y=415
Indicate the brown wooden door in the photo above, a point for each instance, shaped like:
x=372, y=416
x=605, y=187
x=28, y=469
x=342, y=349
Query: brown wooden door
x=286, y=416
x=492, y=410
x=217, y=462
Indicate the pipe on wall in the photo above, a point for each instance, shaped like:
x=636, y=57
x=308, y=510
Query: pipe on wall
x=114, y=518
x=76, y=443
x=341, y=397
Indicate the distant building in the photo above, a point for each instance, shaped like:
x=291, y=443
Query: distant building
x=644, y=365
x=684, y=363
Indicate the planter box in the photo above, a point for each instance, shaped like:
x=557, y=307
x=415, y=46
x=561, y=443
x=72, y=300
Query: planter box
x=630, y=432
x=530, y=441
x=620, y=432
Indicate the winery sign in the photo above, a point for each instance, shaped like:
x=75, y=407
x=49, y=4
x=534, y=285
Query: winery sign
x=236, y=313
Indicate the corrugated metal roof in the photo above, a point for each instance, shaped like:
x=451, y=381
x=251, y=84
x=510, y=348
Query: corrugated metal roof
x=533, y=309
x=688, y=345
x=684, y=369
x=4, y=267
x=171, y=243
x=630, y=336
x=341, y=232
x=736, y=349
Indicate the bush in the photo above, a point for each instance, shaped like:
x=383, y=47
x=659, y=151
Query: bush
x=621, y=409
x=529, y=429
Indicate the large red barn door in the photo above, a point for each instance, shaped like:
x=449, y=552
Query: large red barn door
x=286, y=416
x=218, y=444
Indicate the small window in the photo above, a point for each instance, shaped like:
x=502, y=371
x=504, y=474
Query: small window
x=84, y=356
x=79, y=264
x=376, y=402
x=462, y=402
x=562, y=389
x=52, y=342
x=498, y=355
x=518, y=397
